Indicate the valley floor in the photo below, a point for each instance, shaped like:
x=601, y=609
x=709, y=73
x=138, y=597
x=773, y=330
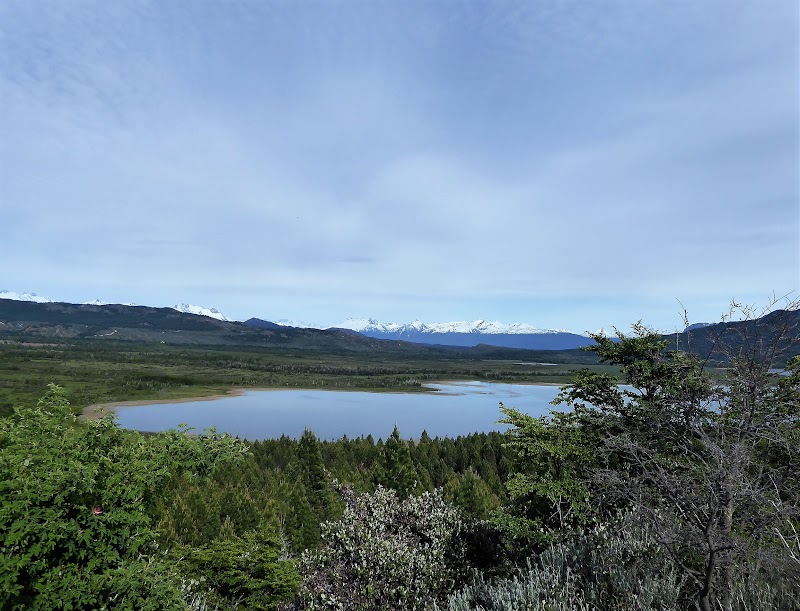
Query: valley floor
x=103, y=373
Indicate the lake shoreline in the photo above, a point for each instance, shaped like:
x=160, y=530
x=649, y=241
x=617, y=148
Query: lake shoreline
x=444, y=410
x=99, y=410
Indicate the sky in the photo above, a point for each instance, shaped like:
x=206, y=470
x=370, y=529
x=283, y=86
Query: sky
x=566, y=164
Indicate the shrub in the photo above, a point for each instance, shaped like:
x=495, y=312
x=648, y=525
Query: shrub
x=618, y=566
x=247, y=571
x=385, y=554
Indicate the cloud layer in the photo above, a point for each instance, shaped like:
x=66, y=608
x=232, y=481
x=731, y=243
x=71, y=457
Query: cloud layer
x=506, y=160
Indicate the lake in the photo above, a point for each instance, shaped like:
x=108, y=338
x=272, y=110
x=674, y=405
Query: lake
x=457, y=408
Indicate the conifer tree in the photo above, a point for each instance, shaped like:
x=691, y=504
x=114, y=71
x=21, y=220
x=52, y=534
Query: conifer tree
x=301, y=520
x=397, y=469
x=471, y=494
x=314, y=476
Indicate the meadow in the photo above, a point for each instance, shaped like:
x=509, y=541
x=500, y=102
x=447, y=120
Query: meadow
x=93, y=372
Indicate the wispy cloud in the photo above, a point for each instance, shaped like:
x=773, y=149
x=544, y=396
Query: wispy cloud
x=506, y=160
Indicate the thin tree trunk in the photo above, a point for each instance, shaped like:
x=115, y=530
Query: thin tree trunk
x=705, y=591
x=726, y=586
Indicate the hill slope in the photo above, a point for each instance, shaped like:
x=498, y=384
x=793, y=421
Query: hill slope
x=27, y=321
x=42, y=322
x=775, y=335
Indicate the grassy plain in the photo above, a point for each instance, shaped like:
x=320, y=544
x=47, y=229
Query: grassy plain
x=103, y=371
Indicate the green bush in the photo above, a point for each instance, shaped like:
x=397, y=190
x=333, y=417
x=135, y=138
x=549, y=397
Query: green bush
x=75, y=529
x=248, y=572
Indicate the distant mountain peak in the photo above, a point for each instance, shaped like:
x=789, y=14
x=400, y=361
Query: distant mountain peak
x=188, y=308
x=697, y=325
x=24, y=297
x=286, y=322
x=99, y=302
x=365, y=324
x=39, y=299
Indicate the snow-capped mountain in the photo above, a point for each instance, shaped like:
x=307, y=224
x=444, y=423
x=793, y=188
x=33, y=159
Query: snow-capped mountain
x=366, y=325
x=39, y=299
x=98, y=302
x=183, y=307
x=471, y=333
x=187, y=308
x=24, y=297
x=362, y=325
x=286, y=322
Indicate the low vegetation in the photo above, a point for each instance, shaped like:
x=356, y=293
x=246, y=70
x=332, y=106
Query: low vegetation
x=93, y=371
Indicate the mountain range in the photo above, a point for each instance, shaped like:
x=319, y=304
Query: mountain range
x=27, y=316
x=461, y=334
x=40, y=323
x=472, y=333
x=37, y=321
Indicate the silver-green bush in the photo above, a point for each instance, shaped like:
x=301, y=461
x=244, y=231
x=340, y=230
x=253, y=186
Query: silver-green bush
x=616, y=566
x=385, y=553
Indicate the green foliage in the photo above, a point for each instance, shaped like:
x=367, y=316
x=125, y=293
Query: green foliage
x=471, y=494
x=704, y=467
x=396, y=470
x=301, y=521
x=283, y=482
x=670, y=389
x=74, y=526
x=314, y=476
x=385, y=553
x=96, y=371
x=549, y=489
x=713, y=463
x=248, y=572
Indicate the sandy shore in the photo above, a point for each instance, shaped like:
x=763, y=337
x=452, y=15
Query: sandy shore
x=97, y=411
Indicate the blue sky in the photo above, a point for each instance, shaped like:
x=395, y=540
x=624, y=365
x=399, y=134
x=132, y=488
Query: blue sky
x=561, y=163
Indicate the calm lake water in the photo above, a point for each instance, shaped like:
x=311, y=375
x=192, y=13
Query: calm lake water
x=456, y=409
